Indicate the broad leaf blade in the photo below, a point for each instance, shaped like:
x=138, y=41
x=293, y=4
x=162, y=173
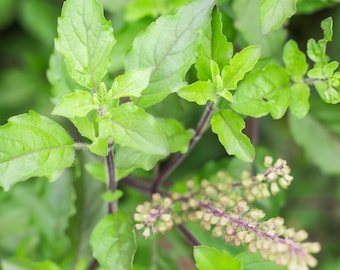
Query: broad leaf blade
x=273, y=13
x=33, y=145
x=228, y=126
x=131, y=126
x=113, y=242
x=239, y=65
x=207, y=258
x=169, y=45
x=262, y=92
x=85, y=38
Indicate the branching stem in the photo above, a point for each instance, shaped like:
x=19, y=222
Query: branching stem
x=173, y=164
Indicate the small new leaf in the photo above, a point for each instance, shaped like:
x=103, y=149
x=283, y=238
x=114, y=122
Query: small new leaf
x=113, y=242
x=299, y=104
x=239, y=65
x=228, y=126
x=33, y=145
x=327, y=27
x=273, y=13
x=200, y=92
x=132, y=83
x=85, y=38
x=79, y=103
x=295, y=60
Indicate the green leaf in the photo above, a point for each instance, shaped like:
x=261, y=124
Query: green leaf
x=127, y=159
x=254, y=261
x=299, y=104
x=178, y=138
x=318, y=134
x=113, y=242
x=131, y=83
x=295, y=60
x=99, y=147
x=110, y=196
x=315, y=51
x=33, y=145
x=214, y=46
x=79, y=103
x=89, y=210
x=59, y=77
x=85, y=127
x=200, y=92
x=25, y=264
x=239, y=65
x=247, y=24
x=262, y=92
x=228, y=126
x=327, y=93
x=85, y=38
x=207, y=258
x=273, y=13
x=327, y=27
x=132, y=127
x=169, y=46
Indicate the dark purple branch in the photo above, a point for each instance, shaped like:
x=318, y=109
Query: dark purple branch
x=110, y=167
x=173, y=164
x=94, y=264
x=188, y=235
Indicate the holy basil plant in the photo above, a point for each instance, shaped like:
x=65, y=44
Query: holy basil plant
x=121, y=136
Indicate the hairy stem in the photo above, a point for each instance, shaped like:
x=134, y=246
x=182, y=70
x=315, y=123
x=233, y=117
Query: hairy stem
x=110, y=167
x=173, y=164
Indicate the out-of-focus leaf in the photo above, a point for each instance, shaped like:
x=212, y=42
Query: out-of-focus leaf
x=246, y=21
x=59, y=77
x=89, y=209
x=7, y=8
x=42, y=24
x=208, y=258
x=85, y=38
x=273, y=13
x=228, y=126
x=318, y=134
x=25, y=264
x=169, y=45
x=33, y=145
x=113, y=242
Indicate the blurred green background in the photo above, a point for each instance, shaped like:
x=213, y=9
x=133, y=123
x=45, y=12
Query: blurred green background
x=311, y=146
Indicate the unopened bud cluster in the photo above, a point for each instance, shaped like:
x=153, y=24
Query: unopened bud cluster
x=221, y=208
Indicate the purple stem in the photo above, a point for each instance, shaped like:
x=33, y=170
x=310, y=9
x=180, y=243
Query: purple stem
x=188, y=235
x=110, y=167
x=178, y=158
